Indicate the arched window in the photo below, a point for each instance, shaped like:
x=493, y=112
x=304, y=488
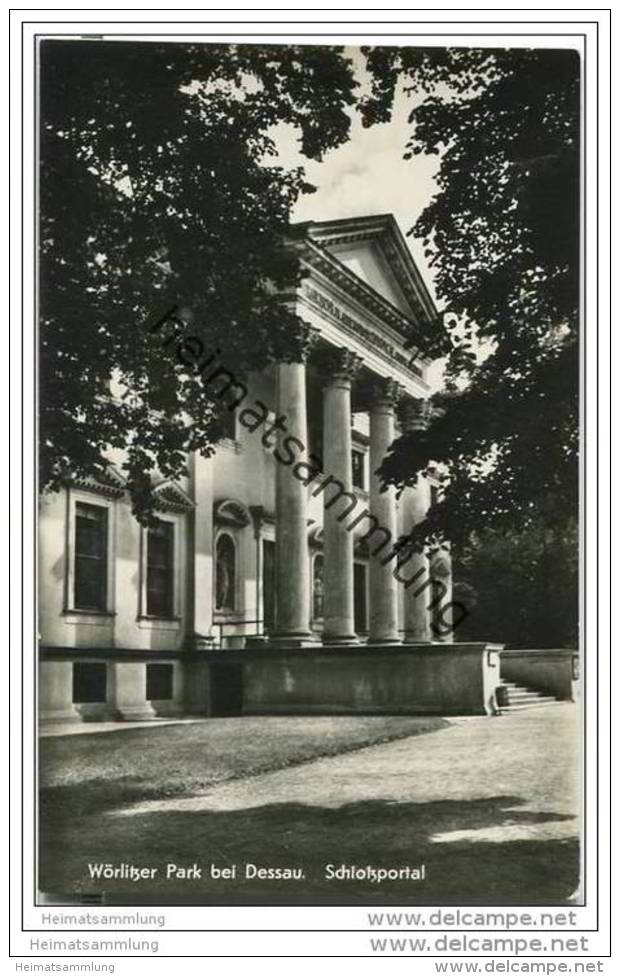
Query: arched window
x=225, y=573
x=317, y=587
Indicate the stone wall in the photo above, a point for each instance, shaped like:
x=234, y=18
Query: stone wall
x=457, y=679
x=423, y=679
x=554, y=670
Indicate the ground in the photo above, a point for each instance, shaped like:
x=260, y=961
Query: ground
x=487, y=806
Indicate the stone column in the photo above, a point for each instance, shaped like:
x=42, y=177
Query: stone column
x=338, y=609
x=200, y=555
x=292, y=611
x=414, y=570
x=257, y=513
x=383, y=583
x=191, y=678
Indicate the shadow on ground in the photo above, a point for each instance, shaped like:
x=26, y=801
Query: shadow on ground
x=78, y=827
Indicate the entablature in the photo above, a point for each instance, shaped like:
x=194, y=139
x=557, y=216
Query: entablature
x=341, y=321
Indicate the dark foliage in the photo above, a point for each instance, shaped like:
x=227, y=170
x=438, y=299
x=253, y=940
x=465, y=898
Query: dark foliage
x=502, y=236
x=156, y=188
x=520, y=587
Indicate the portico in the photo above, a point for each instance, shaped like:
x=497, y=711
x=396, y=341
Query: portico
x=274, y=564
x=363, y=299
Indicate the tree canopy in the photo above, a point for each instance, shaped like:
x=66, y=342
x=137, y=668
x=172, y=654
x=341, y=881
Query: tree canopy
x=502, y=236
x=158, y=186
x=519, y=585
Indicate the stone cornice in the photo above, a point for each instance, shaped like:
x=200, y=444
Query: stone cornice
x=319, y=258
x=359, y=439
x=370, y=338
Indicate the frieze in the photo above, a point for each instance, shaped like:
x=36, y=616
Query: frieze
x=375, y=341
x=319, y=260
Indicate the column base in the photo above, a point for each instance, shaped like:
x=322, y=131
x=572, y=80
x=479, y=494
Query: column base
x=51, y=715
x=166, y=708
x=340, y=640
x=257, y=640
x=199, y=642
x=136, y=713
x=127, y=692
x=96, y=712
x=294, y=640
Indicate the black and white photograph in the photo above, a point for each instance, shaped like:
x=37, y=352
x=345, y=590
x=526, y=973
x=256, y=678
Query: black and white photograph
x=309, y=533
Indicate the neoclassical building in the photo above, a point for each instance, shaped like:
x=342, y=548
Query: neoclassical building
x=283, y=543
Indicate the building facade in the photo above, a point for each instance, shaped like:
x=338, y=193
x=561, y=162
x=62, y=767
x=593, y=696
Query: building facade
x=283, y=538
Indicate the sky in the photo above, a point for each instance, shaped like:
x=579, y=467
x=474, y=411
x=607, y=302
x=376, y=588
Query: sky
x=367, y=175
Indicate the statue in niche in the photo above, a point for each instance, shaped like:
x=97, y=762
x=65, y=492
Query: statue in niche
x=318, y=589
x=225, y=574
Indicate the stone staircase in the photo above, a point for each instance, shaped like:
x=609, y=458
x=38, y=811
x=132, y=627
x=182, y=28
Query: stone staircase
x=511, y=697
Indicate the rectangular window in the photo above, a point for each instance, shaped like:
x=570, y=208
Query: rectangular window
x=89, y=683
x=358, y=469
x=160, y=570
x=359, y=598
x=91, y=557
x=269, y=585
x=229, y=421
x=159, y=682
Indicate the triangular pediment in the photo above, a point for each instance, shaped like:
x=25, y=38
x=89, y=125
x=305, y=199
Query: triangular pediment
x=375, y=251
x=367, y=261
x=169, y=496
x=108, y=482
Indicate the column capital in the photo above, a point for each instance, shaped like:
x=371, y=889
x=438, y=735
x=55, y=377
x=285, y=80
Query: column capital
x=417, y=415
x=338, y=362
x=384, y=391
x=414, y=414
x=309, y=343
